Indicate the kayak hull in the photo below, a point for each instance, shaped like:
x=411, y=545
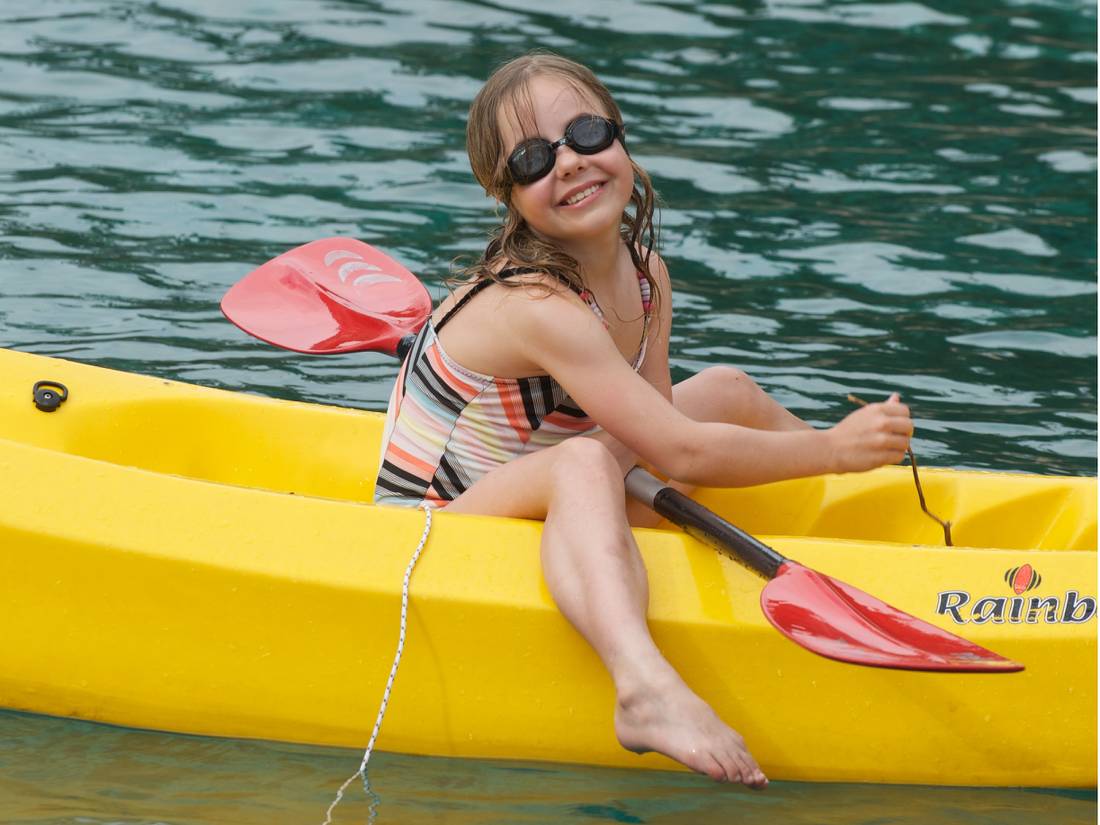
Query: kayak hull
x=216, y=592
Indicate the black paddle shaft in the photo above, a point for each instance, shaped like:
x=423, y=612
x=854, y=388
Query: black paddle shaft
x=703, y=524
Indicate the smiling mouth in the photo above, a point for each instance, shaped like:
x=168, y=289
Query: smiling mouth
x=572, y=200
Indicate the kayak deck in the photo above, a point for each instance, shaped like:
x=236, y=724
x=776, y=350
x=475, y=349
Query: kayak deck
x=234, y=609
x=331, y=452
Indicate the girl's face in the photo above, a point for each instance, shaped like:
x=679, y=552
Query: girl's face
x=583, y=197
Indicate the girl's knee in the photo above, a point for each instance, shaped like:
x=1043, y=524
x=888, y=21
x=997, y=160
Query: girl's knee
x=726, y=376
x=585, y=459
x=728, y=394
x=730, y=384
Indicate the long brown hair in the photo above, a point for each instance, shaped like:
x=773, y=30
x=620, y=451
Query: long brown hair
x=513, y=243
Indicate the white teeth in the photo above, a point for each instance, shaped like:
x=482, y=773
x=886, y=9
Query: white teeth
x=580, y=196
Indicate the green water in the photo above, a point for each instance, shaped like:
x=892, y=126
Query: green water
x=55, y=772
x=860, y=197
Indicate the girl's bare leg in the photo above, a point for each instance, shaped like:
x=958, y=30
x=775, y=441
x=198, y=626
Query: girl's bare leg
x=728, y=395
x=598, y=580
x=724, y=394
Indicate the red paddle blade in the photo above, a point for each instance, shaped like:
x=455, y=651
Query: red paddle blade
x=839, y=621
x=328, y=296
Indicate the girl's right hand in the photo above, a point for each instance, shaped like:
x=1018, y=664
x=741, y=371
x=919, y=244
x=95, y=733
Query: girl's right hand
x=871, y=436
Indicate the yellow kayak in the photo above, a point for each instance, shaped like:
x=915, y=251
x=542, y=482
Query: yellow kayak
x=195, y=560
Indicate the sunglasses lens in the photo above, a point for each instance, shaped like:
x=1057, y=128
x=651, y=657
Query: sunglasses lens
x=590, y=135
x=530, y=161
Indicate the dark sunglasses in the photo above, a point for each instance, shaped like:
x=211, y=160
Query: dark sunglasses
x=586, y=135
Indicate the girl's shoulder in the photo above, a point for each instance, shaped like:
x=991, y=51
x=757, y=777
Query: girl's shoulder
x=660, y=280
x=516, y=282
x=657, y=266
x=649, y=261
x=502, y=328
x=543, y=281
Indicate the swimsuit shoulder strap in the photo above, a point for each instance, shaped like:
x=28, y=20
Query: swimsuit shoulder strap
x=485, y=284
x=647, y=292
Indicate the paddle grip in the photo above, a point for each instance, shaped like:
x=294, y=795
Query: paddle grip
x=703, y=524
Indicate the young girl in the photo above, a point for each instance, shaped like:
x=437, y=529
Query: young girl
x=536, y=387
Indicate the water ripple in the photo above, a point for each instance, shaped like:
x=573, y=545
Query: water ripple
x=857, y=196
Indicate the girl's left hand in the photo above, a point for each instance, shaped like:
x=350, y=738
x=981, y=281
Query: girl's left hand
x=871, y=436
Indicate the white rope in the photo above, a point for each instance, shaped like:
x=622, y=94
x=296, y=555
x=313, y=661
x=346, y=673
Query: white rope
x=389, y=682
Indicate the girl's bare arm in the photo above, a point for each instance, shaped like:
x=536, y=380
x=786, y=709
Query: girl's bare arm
x=566, y=340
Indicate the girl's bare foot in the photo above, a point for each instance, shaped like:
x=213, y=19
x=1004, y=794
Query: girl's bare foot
x=670, y=719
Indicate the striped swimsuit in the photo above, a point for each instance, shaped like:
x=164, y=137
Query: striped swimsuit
x=447, y=426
